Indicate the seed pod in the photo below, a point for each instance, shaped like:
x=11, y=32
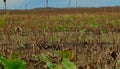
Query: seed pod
x=18, y=30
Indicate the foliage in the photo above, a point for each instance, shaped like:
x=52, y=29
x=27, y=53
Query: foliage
x=70, y=22
x=47, y=61
x=94, y=25
x=67, y=54
x=82, y=31
x=55, y=38
x=105, y=31
x=12, y=63
x=3, y=19
x=67, y=64
x=63, y=28
x=118, y=62
x=64, y=64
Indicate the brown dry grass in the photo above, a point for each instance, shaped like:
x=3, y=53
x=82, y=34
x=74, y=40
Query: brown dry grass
x=40, y=33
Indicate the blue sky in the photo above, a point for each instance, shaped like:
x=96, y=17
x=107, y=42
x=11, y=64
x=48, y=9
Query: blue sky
x=20, y=4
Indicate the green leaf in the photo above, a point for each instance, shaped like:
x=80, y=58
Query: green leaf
x=54, y=37
x=105, y=31
x=68, y=65
x=59, y=52
x=44, y=58
x=83, y=30
x=50, y=65
x=59, y=66
x=95, y=25
x=66, y=54
x=3, y=60
x=118, y=62
x=35, y=57
x=12, y=63
x=117, y=68
x=70, y=22
x=61, y=28
x=47, y=61
x=23, y=65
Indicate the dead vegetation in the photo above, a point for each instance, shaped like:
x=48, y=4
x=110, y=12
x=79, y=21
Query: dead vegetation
x=95, y=38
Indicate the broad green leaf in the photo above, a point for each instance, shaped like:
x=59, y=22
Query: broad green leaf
x=50, y=65
x=58, y=66
x=3, y=60
x=68, y=65
x=12, y=63
x=66, y=54
x=59, y=53
x=23, y=65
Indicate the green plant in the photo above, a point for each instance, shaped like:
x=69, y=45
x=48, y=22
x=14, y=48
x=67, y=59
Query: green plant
x=105, y=31
x=94, y=25
x=3, y=19
x=82, y=34
x=118, y=63
x=12, y=63
x=64, y=63
x=70, y=21
x=47, y=61
x=63, y=28
x=55, y=38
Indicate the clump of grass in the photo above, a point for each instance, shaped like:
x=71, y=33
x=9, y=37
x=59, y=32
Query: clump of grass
x=3, y=20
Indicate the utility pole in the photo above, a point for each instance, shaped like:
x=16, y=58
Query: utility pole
x=4, y=5
x=46, y=3
x=25, y=6
x=47, y=9
x=69, y=4
x=105, y=9
x=76, y=4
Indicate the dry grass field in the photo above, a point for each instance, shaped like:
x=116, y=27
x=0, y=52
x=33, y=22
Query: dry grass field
x=92, y=36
